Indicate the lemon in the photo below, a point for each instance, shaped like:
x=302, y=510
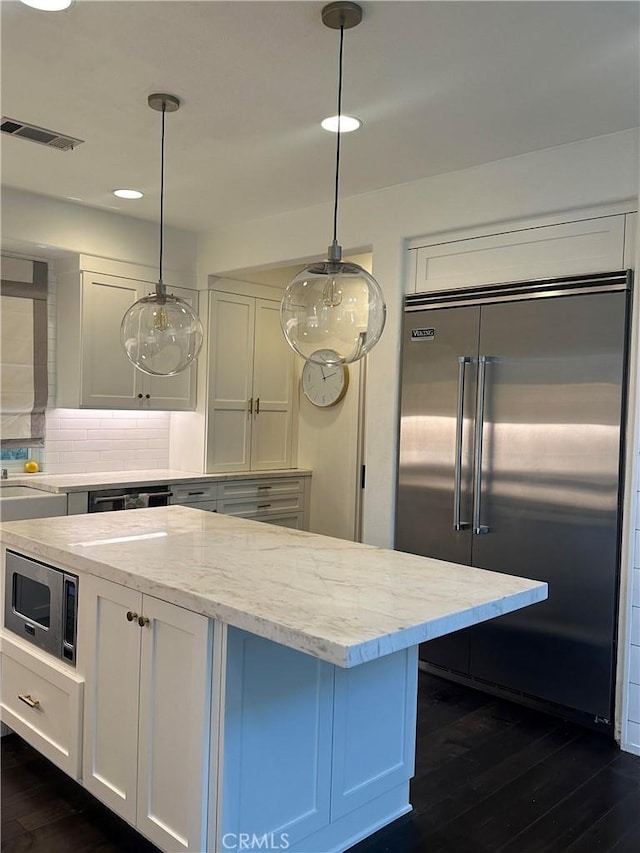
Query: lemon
x=31, y=466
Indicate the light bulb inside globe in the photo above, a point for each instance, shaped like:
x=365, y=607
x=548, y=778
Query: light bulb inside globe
x=333, y=305
x=161, y=335
x=331, y=295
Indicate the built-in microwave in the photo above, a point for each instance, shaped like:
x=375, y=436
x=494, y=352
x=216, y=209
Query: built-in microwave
x=41, y=605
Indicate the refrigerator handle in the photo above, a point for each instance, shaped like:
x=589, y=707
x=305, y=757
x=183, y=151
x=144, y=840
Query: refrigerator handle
x=478, y=527
x=463, y=360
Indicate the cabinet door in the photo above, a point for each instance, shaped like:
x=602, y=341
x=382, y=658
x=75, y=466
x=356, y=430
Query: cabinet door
x=277, y=742
x=109, y=381
x=592, y=245
x=272, y=391
x=175, y=684
x=173, y=393
x=374, y=730
x=109, y=657
x=231, y=330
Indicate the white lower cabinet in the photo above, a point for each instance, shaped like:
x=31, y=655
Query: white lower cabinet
x=42, y=702
x=146, y=718
x=315, y=757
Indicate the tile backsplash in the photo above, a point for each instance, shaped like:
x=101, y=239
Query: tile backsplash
x=85, y=440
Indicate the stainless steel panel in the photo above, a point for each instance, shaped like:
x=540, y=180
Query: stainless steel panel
x=436, y=448
x=550, y=493
x=433, y=342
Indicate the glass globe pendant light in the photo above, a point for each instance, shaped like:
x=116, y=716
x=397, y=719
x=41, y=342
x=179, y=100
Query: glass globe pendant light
x=161, y=334
x=333, y=312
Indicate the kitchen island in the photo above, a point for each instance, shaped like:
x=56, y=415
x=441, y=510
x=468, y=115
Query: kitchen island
x=238, y=686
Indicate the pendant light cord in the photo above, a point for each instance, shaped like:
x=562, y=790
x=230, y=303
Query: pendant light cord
x=337, y=183
x=161, y=283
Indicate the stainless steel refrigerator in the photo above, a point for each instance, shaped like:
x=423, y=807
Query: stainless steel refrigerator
x=511, y=459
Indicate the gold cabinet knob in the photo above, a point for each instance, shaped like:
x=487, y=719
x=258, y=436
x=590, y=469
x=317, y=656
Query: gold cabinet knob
x=131, y=615
x=143, y=620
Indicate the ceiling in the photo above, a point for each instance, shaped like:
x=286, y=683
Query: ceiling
x=439, y=86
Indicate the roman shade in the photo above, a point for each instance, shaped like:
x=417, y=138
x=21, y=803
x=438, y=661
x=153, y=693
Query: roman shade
x=23, y=352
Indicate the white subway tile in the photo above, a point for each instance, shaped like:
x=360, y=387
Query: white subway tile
x=50, y=459
x=635, y=626
x=150, y=434
x=159, y=443
x=139, y=465
x=635, y=588
x=106, y=466
x=149, y=454
x=66, y=434
x=115, y=455
x=77, y=456
x=632, y=742
x=634, y=703
x=105, y=434
x=57, y=446
x=125, y=415
x=634, y=665
x=129, y=444
x=90, y=444
x=68, y=468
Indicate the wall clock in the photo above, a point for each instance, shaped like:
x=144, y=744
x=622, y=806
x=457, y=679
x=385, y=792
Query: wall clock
x=324, y=384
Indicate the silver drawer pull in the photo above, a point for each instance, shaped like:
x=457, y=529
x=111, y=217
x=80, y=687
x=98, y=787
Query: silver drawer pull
x=26, y=698
x=264, y=506
x=197, y=493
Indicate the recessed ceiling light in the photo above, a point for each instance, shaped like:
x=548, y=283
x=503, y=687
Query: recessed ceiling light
x=48, y=5
x=345, y=124
x=128, y=193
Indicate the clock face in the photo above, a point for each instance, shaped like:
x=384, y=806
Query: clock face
x=324, y=384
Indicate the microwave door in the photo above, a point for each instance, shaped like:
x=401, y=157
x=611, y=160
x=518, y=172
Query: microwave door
x=33, y=602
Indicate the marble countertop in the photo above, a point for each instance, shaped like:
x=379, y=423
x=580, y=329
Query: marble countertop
x=64, y=483
x=339, y=601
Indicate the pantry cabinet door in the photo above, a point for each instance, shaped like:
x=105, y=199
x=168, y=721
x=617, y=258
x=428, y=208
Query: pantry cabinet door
x=231, y=330
x=272, y=391
x=175, y=683
x=109, y=657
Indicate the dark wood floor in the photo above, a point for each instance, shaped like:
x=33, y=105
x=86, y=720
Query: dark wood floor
x=491, y=777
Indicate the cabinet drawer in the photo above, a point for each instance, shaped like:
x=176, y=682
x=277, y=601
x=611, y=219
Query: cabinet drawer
x=263, y=488
x=263, y=506
x=187, y=493
x=43, y=704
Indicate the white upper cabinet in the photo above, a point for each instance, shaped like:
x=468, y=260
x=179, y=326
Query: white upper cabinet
x=545, y=251
x=250, y=376
x=92, y=368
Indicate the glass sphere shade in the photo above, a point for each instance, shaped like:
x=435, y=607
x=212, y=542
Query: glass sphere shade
x=333, y=305
x=161, y=335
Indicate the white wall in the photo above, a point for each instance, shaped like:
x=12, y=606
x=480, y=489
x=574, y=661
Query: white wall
x=579, y=175
x=46, y=227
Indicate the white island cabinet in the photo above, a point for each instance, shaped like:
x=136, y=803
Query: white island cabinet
x=147, y=683
x=248, y=687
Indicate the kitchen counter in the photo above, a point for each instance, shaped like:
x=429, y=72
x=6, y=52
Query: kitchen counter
x=342, y=602
x=67, y=483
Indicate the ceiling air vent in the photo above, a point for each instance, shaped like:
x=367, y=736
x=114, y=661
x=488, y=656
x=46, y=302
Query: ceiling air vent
x=39, y=134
